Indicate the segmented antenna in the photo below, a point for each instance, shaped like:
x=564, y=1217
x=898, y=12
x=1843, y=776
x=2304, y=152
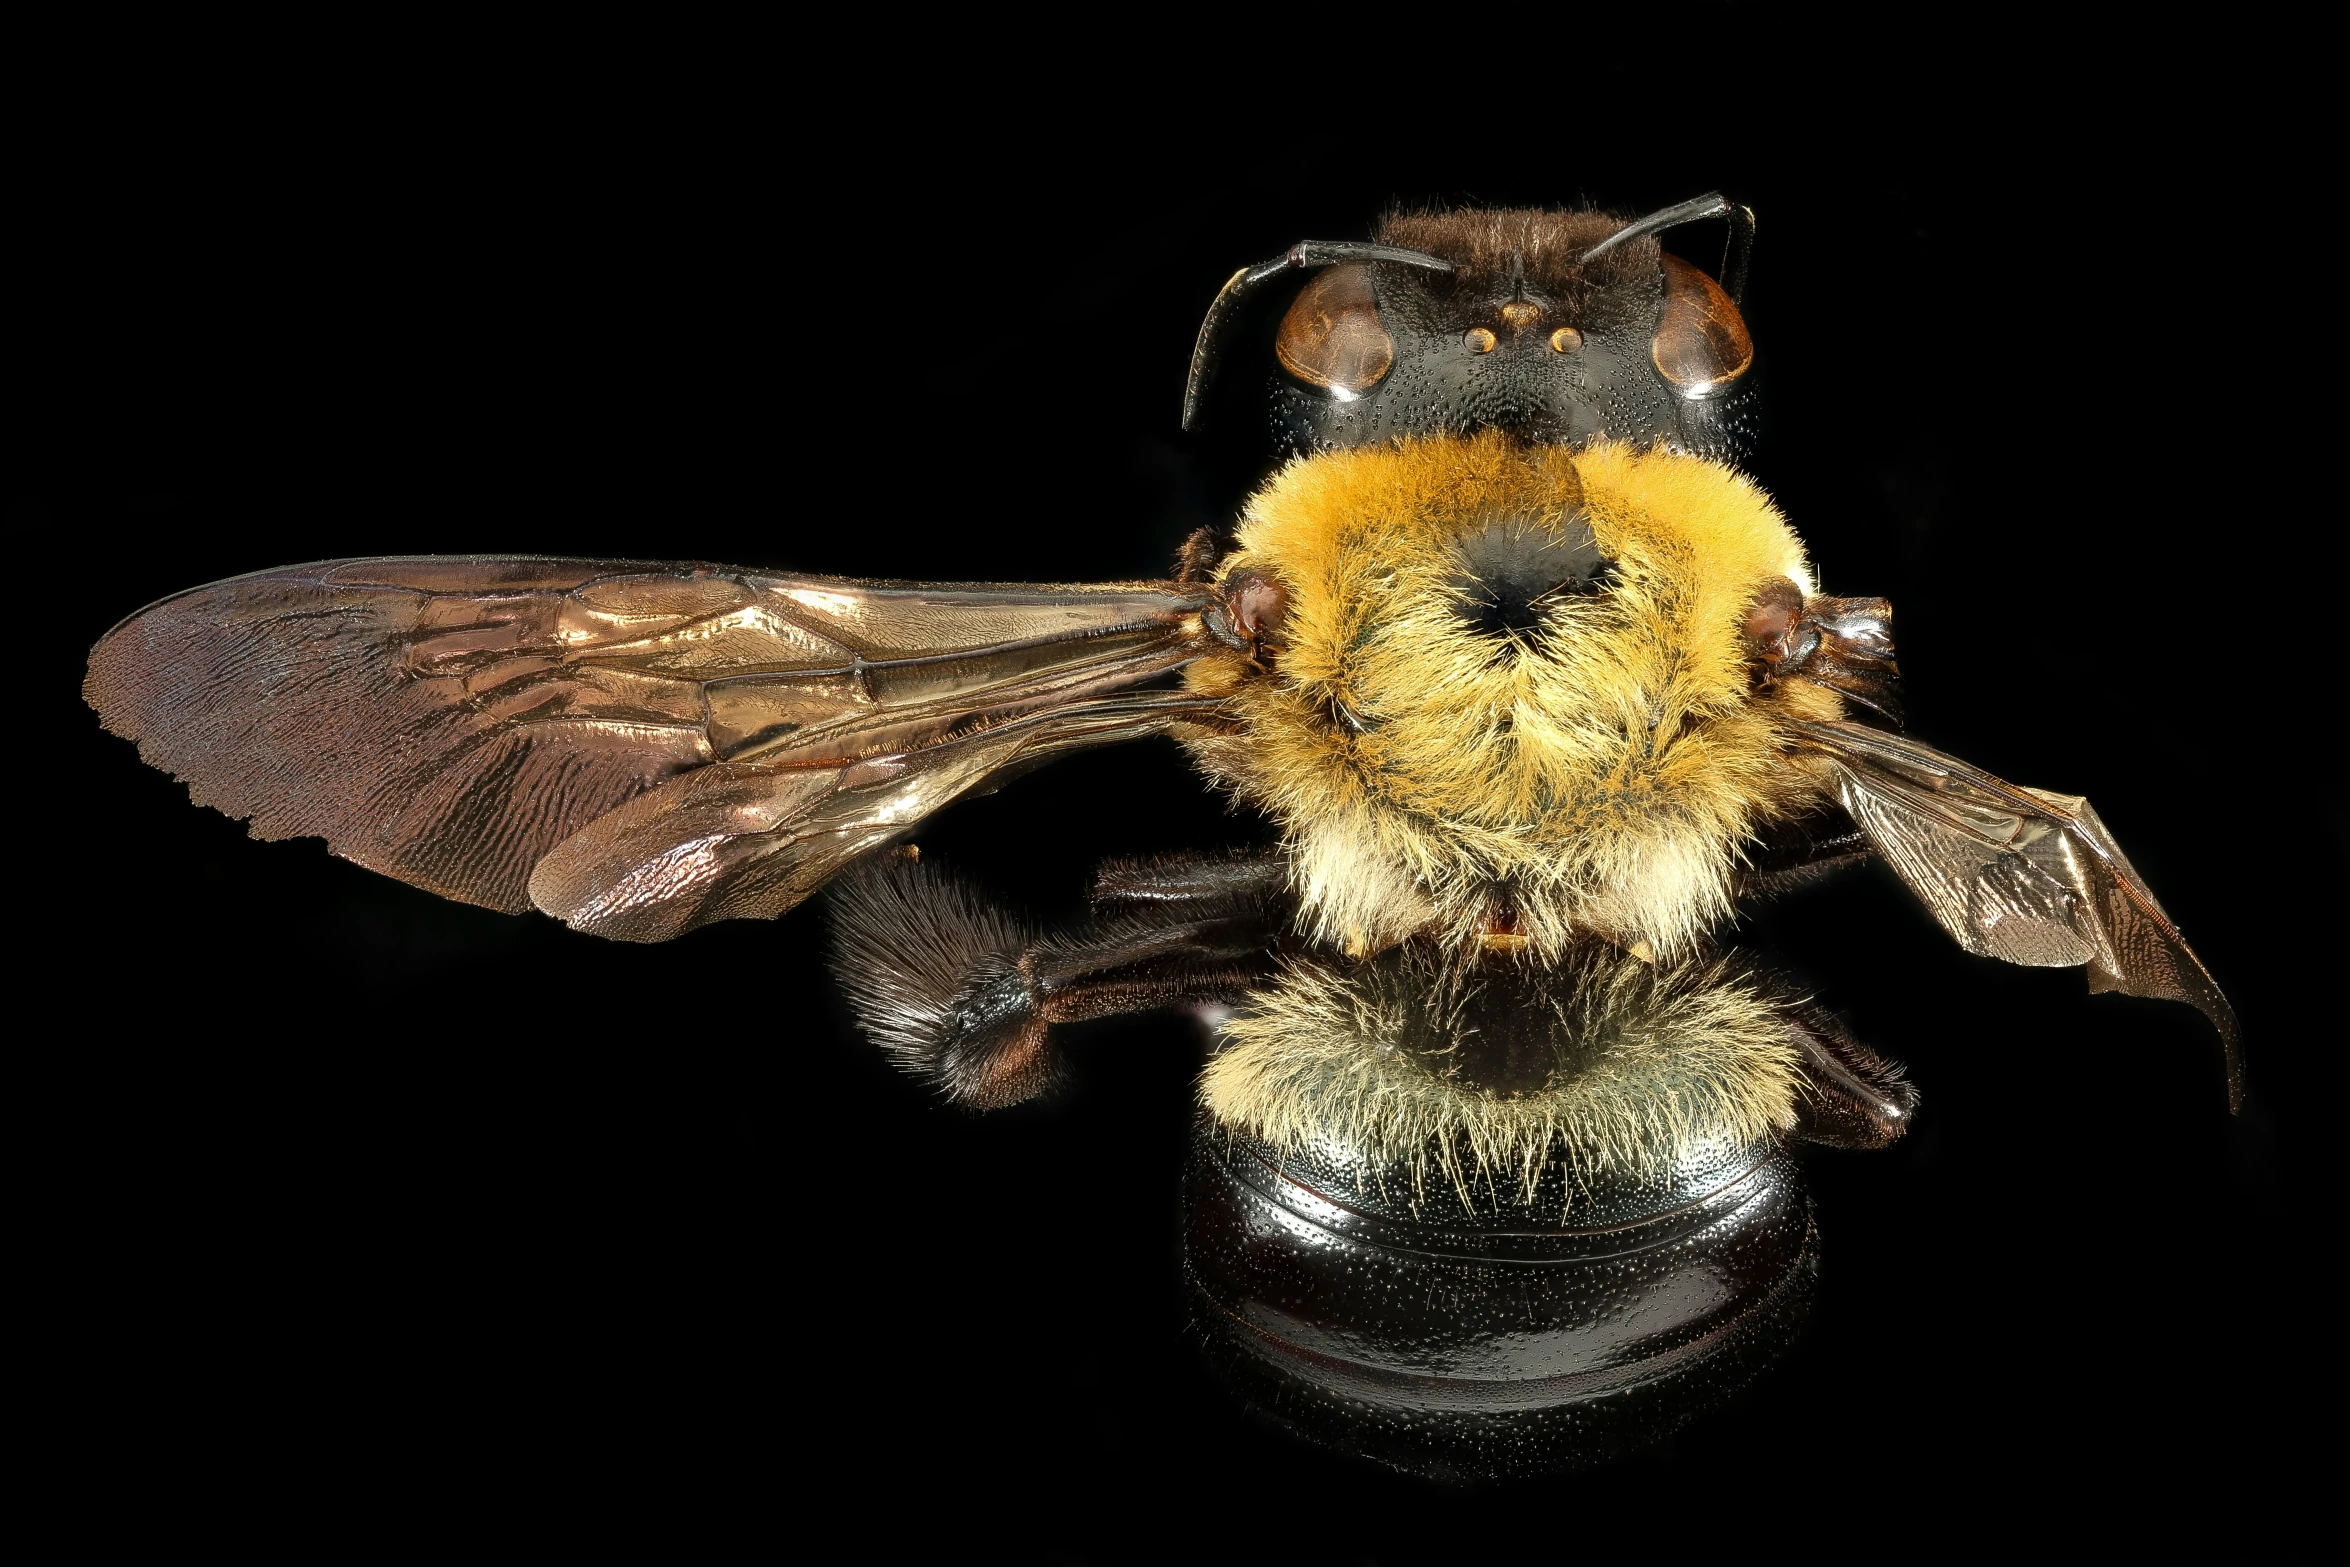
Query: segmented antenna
x=1305, y=255
x=1713, y=204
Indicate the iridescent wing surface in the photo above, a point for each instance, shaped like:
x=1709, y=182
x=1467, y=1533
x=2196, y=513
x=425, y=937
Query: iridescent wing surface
x=635, y=748
x=2018, y=874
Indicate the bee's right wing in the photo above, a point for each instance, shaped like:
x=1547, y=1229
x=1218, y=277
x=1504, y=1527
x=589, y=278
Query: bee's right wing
x=2017, y=874
x=635, y=748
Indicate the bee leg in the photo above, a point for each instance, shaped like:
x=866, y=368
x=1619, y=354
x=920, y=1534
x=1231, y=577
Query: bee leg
x=1198, y=554
x=1158, y=958
x=996, y=1045
x=958, y=992
x=1854, y=1097
x=1795, y=854
x=1199, y=884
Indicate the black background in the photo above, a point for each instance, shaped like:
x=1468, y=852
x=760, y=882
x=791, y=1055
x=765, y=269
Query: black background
x=348, y=1197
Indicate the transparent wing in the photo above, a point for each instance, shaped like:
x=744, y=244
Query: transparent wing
x=731, y=736
x=2018, y=874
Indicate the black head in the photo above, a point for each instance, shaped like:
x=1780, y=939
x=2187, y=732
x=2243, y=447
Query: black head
x=1558, y=327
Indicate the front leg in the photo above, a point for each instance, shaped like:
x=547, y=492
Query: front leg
x=959, y=992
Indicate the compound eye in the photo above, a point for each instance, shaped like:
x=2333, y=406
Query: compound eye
x=1332, y=338
x=1701, y=344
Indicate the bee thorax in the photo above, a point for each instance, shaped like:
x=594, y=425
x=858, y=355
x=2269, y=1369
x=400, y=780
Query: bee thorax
x=1508, y=666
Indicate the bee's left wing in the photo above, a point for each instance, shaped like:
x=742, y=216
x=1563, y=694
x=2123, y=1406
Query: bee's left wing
x=635, y=748
x=2017, y=874
x=748, y=840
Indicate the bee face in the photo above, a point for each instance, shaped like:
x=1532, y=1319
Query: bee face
x=1508, y=693
x=1523, y=336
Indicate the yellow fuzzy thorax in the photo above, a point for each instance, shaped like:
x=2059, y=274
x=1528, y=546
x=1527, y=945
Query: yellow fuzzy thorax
x=1593, y=774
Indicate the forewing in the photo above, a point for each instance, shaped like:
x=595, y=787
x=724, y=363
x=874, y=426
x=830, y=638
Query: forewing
x=452, y=720
x=2018, y=874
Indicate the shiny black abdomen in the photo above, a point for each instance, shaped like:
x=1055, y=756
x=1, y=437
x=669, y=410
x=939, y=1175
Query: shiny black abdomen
x=1492, y=1335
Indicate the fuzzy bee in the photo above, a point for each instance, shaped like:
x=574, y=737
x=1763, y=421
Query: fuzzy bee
x=1537, y=687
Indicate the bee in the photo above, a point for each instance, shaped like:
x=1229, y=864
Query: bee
x=1537, y=688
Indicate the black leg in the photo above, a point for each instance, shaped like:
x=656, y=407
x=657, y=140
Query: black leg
x=1195, y=885
x=1856, y=1098
x=1793, y=855
x=958, y=992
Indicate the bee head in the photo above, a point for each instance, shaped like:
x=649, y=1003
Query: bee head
x=1508, y=692
x=1553, y=327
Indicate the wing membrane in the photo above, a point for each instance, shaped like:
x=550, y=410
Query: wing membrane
x=453, y=721
x=2018, y=874
x=747, y=840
